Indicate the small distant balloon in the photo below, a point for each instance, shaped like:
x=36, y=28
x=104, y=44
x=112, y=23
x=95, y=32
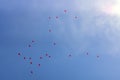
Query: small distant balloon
x=49, y=56
x=39, y=65
x=33, y=41
x=29, y=45
x=19, y=54
x=30, y=62
x=31, y=72
x=69, y=55
x=54, y=43
x=87, y=53
x=76, y=17
x=49, y=17
x=46, y=54
x=50, y=30
x=98, y=56
x=41, y=57
x=56, y=17
x=30, y=58
x=65, y=11
x=24, y=58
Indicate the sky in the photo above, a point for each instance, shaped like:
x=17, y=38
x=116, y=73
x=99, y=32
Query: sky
x=59, y=40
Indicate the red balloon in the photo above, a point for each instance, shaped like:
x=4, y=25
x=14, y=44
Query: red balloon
x=65, y=11
x=46, y=54
x=30, y=62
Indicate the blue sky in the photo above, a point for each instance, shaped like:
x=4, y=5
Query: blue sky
x=95, y=30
